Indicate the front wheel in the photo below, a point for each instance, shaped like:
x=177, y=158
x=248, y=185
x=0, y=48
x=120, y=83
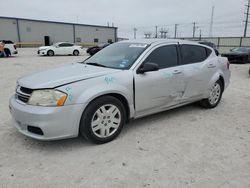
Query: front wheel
x=103, y=120
x=214, y=97
x=50, y=53
x=76, y=53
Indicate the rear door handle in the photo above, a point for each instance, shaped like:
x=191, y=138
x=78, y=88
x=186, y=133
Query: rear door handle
x=211, y=65
x=177, y=72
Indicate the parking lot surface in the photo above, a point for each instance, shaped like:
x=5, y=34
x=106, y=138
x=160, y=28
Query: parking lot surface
x=185, y=147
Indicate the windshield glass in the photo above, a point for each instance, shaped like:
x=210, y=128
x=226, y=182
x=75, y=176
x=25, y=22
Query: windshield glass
x=241, y=50
x=118, y=55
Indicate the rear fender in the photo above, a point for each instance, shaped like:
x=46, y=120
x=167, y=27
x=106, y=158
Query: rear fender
x=214, y=78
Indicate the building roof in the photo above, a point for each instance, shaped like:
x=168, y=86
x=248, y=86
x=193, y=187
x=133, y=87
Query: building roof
x=57, y=22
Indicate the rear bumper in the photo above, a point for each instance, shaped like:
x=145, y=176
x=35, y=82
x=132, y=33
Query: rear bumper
x=54, y=122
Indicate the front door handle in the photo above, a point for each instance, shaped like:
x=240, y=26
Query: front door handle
x=177, y=72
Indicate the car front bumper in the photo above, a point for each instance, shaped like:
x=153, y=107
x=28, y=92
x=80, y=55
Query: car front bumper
x=48, y=123
x=42, y=52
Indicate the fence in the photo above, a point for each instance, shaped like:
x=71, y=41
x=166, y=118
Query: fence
x=224, y=44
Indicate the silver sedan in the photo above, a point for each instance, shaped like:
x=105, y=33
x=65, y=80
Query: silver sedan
x=126, y=80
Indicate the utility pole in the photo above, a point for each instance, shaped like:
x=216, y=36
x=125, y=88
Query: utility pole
x=175, y=30
x=194, y=28
x=156, y=31
x=211, y=23
x=247, y=16
x=135, y=30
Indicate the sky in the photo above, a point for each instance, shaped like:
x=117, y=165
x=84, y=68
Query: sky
x=144, y=15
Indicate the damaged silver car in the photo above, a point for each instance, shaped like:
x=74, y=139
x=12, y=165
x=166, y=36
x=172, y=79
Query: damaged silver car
x=126, y=80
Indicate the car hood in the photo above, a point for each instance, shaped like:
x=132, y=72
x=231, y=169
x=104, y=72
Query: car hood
x=63, y=75
x=235, y=53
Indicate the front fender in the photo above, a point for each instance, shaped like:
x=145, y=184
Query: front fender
x=100, y=90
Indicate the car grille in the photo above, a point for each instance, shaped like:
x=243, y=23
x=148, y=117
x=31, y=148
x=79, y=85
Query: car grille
x=23, y=94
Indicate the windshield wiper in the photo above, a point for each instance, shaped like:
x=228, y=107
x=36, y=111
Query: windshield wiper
x=96, y=64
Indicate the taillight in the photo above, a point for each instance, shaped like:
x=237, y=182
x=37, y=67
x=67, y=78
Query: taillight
x=228, y=64
x=15, y=46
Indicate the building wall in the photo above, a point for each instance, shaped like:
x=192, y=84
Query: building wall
x=8, y=29
x=88, y=34
x=33, y=31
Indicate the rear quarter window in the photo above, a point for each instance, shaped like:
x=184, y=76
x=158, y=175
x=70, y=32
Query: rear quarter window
x=193, y=54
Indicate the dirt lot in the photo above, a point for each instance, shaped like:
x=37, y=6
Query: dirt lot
x=185, y=147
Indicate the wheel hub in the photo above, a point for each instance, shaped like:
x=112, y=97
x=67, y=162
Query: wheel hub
x=106, y=121
x=215, y=94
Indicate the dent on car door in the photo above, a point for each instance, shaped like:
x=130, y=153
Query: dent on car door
x=198, y=70
x=162, y=88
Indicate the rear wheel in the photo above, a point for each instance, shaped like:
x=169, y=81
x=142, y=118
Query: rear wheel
x=214, y=97
x=50, y=53
x=103, y=120
x=76, y=53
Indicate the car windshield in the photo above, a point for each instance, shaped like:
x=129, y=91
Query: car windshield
x=241, y=50
x=117, y=55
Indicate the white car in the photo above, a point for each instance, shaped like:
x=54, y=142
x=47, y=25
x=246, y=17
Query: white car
x=60, y=48
x=9, y=47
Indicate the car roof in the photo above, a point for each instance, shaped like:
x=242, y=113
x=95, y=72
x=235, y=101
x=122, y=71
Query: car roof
x=159, y=41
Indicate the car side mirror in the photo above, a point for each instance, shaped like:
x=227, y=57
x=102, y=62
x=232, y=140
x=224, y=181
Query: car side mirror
x=148, y=67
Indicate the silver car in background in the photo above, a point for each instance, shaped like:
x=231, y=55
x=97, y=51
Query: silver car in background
x=126, y=80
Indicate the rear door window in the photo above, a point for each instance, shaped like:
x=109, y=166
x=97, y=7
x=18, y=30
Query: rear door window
x=193, y=54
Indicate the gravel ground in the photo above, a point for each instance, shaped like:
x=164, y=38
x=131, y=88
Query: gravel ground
x=184, y=147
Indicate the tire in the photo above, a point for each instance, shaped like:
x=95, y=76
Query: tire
x=214, y=97
x=76, y=53
x=110, y=123
x=50, y=53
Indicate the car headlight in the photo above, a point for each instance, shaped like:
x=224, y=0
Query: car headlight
x=47, y=97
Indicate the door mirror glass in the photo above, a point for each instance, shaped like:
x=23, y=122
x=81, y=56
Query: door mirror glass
x=148, y=67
